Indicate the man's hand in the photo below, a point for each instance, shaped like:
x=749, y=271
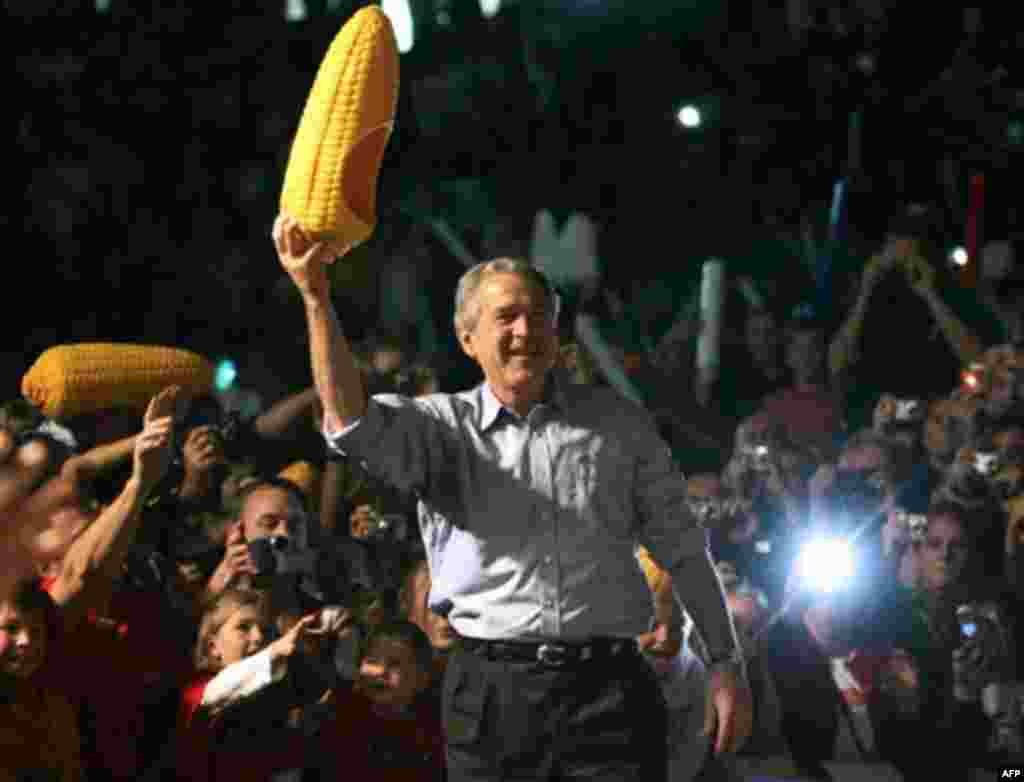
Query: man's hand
x=305, y=261
x=152, y=454
x=202, y=451
x=730, y=704
x=235, y=563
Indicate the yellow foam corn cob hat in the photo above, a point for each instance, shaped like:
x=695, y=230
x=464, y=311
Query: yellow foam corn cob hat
x=330, y=185
x=306, y=476
x=70, y=380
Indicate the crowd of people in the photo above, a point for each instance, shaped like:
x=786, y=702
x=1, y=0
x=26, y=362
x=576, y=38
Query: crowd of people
x=181, y=601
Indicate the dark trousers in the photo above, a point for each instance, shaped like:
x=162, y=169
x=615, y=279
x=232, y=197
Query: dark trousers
x=597, y=720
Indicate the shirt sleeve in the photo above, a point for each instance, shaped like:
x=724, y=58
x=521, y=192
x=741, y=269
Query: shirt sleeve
x=679, y=544
x=668, y=528
x=398, y=440
x=240, y=681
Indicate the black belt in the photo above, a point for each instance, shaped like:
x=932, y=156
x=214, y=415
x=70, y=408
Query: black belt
x=551, y=654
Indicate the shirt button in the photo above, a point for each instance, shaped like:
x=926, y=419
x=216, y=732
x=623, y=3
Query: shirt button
x=549, y=560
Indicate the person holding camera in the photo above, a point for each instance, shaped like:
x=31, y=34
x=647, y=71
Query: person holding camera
x=273, y=510
x=968, y=642
x=267, y=546
x=532, y=496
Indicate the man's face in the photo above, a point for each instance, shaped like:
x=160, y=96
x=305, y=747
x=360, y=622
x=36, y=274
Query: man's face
x=514, y=341
x=271, y=511
x=389, y=674
x=943, y=552
x=22, y=641
x=437, y=627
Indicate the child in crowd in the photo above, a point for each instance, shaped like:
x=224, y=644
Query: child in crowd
x=388, y=728
x=39, y=736
x=236, y=720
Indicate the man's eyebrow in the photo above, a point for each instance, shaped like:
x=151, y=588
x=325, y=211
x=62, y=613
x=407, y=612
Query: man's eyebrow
x=276, y=516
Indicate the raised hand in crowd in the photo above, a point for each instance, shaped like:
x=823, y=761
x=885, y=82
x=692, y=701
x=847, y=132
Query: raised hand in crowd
x=202, y=452
x=153, y=451
x=292, y=642
x=95, y=557
x=236, y=562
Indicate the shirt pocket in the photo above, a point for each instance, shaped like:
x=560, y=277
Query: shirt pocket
x=597, y=479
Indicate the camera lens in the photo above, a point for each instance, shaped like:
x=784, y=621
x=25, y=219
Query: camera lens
x=280, y=543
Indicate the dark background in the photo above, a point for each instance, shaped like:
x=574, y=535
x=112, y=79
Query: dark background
x=148, y=145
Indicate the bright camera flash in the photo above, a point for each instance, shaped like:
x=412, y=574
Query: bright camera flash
x=825, y=565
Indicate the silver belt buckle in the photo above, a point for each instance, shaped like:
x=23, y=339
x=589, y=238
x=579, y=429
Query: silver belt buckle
x=551, y=655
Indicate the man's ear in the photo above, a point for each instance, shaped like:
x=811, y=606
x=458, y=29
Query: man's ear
x=466, y=343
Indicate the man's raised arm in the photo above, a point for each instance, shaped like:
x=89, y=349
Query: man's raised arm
x=337, y=378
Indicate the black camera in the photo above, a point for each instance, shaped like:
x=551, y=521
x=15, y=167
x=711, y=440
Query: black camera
x=271, y=557
x=278, y=564
x=228, y=427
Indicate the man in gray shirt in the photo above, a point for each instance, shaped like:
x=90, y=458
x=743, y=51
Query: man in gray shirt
x=532, y=497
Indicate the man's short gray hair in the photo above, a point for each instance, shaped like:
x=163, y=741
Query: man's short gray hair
x=467, y=308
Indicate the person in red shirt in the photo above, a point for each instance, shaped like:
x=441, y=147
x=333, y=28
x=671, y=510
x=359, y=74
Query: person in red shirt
x=237, y=718
x=39, y=735
x=810, y=413
x=388, y=725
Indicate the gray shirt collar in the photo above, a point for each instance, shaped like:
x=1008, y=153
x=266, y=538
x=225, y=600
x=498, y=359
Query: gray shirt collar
x=491, y=408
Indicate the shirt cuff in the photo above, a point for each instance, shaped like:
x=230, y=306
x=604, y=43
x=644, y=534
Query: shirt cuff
x=358, y=429
x=239, y=681
x=333, y=437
